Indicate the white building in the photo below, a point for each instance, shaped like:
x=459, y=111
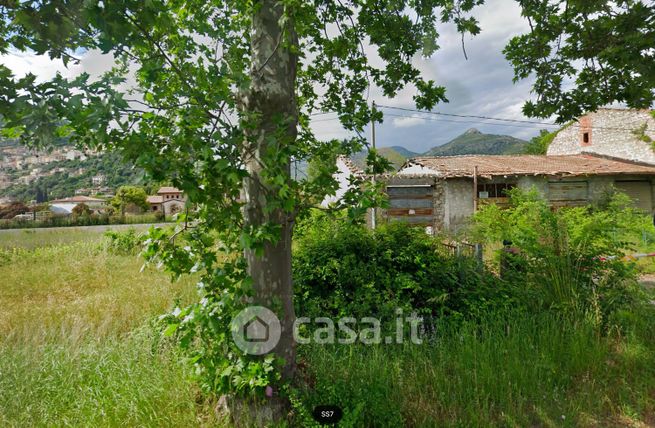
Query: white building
x=66, y=205
x=98, y=180
x=345, y=170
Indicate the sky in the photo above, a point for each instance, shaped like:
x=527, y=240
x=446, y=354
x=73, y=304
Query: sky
x=480, y=85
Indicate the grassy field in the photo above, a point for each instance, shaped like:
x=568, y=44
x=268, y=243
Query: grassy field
x=77, y=345
x=43, y=237
x=78, y=348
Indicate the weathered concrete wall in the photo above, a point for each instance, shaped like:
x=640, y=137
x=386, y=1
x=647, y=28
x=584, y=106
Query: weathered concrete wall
x=539, y=183
x=458, y=202
x=598, y=186
x=610, y=133
x=342, y=176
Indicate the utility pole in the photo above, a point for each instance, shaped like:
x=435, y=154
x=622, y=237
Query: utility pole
x=373, y=219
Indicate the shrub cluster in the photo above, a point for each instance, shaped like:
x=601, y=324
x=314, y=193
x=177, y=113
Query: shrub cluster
x=81, y=220
x=569, y=259
x=341, y=269
x=128, y=242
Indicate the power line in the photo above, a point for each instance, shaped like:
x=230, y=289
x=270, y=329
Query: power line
x=324, y=120
x=459, y=121
x=431, y=119
x=508, y=120
x=470, y=116
x=520, y=123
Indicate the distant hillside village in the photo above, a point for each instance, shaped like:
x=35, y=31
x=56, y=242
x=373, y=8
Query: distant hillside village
x=68, y=182
x=168, y=201
x=23, y=165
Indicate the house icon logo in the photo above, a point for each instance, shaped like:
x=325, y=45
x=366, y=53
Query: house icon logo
x=256, y=330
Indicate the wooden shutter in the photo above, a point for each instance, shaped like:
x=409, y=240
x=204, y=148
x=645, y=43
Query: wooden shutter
x=568, y=193
x=410, y=203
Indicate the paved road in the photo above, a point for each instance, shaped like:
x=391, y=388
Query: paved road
x=99, y=228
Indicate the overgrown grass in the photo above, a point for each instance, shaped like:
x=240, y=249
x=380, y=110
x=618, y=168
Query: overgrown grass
x=79, y=348
x=37, y=238
x=117, y=381
x=526, y=371
x=78, y=344
x=80, y=289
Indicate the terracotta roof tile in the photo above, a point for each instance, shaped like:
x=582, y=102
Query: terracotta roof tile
x=155, y=199
x=167, y=189
x=354, y=169
x=491, y=165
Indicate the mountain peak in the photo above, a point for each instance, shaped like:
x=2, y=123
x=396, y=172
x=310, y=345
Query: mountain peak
x=474, y=142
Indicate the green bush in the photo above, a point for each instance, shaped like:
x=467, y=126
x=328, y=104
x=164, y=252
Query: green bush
x=86, y=220
x=342, y=269
x=128, y=242
x=571, y=258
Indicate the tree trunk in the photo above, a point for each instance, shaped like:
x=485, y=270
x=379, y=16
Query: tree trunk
x=270, y=104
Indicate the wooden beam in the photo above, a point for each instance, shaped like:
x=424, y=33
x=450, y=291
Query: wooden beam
x=401, y=212
x=475, y=188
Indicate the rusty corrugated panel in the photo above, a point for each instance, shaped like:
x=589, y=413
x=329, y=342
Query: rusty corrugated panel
x=410, y=193
x=410, y=203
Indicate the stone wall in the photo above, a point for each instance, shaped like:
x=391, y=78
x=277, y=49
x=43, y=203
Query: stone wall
x=610, y=132
x=439, y=206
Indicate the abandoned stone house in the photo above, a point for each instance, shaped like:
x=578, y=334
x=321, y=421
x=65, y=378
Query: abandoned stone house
x=443, y=192
x=607, y=148
x=610, y=147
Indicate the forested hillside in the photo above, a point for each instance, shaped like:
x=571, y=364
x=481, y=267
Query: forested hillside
x=77, y=174
x=474, y=142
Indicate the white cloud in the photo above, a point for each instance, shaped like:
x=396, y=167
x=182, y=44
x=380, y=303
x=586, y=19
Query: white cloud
x=406, y=122
x=481, y=85
x=23, y=63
